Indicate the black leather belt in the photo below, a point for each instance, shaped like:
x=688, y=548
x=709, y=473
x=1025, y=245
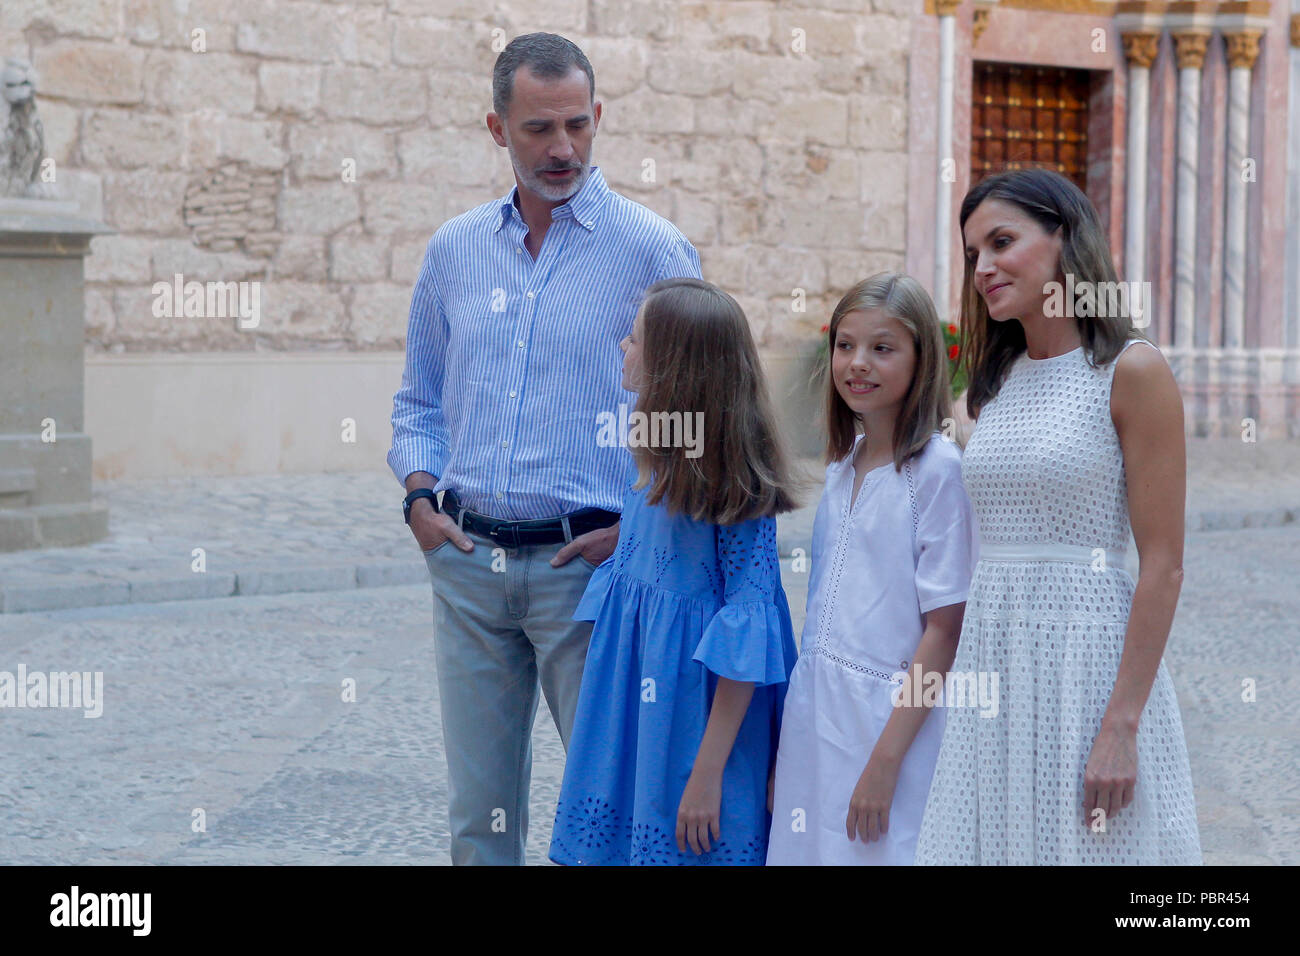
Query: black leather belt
x=515, y=534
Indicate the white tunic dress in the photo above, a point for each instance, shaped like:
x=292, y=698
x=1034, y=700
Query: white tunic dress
x=1048, y=610
x=904, y=547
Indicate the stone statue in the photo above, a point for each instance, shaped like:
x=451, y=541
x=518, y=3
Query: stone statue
x=22, y=138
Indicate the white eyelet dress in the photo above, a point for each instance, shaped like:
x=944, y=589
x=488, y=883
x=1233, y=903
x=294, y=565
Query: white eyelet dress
x=904, y=547
x=1047, y=612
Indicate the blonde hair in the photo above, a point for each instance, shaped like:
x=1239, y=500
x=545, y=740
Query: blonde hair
x=697, y=355
x=928, y=401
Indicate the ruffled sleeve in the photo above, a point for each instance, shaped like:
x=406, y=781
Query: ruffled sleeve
x=597, y=586
x=750, y=638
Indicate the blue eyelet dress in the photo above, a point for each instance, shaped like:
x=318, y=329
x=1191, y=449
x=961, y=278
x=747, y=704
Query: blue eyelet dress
x=679, y=604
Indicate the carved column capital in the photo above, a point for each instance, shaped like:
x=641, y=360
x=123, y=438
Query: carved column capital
x=1295, y=29
x=1140, y=48
x=1190, y=48
x=1243, y=48
x=946, y=8
x=979, y=23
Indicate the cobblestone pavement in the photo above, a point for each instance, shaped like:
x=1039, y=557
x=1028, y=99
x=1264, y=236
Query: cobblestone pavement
x=286, y=533
x=234, y=706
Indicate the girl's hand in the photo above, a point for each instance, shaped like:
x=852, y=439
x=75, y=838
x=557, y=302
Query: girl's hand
x=872, y=798
x=700, y=810
x=1110, y=775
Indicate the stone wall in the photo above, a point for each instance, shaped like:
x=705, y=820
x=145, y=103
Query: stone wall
x=773, y=134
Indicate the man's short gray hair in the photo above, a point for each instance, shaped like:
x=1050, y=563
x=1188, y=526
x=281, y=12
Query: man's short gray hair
x=548, y=55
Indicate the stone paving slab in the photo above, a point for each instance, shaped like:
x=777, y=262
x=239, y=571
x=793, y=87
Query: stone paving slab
x=233, y=705
x=279, y=534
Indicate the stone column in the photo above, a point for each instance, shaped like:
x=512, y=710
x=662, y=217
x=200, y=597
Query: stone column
x=947, y=12
x=1140, y=51
x=45, y=457
x=1291, y=300
x=1243, y=50
x=1190, y=49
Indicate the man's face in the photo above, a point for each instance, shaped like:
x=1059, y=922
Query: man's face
x=548, y=129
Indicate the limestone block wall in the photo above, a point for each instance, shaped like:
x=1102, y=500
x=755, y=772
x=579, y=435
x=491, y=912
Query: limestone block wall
x=773, y=134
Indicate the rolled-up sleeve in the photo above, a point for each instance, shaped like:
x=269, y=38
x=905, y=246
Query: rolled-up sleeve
x=420, y=437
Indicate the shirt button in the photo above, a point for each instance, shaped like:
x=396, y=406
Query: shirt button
x=531, y=295
x=589, y=222
x=518, y=251
x=512, y=394
x=504, y=444
x=499, y=495
x=521, y=343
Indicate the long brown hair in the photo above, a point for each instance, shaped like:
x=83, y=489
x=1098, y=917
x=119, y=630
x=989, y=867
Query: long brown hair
x=989, y=348
x=697, y=355
x=929, y=398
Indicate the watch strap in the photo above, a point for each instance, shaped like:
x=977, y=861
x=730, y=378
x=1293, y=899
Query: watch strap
x=415, y=496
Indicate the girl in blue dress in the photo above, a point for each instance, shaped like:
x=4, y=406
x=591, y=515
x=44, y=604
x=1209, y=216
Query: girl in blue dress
x=679, y=713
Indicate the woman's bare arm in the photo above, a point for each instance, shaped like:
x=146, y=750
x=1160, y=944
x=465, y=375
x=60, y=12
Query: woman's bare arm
x=1147, y=410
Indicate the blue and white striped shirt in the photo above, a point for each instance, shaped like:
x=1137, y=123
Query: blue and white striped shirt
x=509, y=361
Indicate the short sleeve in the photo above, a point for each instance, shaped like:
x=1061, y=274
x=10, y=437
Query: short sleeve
x=750, y=638
x=946, y=535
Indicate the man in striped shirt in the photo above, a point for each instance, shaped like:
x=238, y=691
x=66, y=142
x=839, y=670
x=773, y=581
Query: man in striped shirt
x=512, y=353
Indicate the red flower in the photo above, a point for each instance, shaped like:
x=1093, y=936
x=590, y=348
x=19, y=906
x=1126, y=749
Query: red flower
x=826, y=328
x=952, y=329
x=953, y=352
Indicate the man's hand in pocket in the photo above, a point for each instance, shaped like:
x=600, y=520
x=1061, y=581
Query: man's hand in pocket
x=594, y=546
x=431, y=528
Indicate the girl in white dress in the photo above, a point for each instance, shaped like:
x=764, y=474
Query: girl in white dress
x=1075, y=429
x=892, y=554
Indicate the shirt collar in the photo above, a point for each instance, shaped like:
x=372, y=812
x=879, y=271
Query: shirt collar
x=583, y=208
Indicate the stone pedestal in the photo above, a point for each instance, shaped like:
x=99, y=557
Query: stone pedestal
x=45, y=494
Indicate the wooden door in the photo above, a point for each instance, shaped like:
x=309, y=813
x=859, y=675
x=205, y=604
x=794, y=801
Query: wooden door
x=1025, y=116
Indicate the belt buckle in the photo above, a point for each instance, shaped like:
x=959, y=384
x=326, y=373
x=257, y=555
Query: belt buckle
x=501, y=532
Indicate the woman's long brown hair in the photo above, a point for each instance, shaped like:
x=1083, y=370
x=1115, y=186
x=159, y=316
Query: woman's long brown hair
x=989, y=348
x=697, y=355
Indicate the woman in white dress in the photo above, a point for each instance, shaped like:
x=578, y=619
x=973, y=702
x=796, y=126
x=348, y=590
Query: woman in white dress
x=1075, y=431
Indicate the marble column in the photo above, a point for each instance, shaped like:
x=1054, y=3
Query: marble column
x=1140, y=51
x=947, y=11
x=1190, y=50
x=1291, y=300
x=1243, y=50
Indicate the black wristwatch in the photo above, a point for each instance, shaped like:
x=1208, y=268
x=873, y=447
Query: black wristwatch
x=414, y=496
